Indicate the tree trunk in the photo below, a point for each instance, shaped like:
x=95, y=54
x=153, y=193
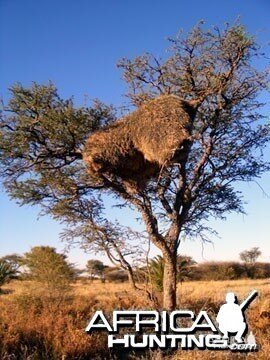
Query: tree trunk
x=169, y=281
x=131, y=278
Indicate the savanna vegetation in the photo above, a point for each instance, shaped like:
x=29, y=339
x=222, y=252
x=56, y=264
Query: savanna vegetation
x=40, y=327
x=46, y=307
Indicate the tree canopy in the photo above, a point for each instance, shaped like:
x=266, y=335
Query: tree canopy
x=250, y=256
x=95, y=268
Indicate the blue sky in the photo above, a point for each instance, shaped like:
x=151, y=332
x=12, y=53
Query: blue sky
x=76, y=44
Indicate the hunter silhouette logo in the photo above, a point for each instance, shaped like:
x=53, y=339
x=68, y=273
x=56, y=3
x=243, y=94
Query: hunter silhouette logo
x=231, y=318
x=180, y=328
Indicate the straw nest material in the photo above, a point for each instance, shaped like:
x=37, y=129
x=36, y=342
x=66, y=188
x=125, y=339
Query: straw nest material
x=136, y=147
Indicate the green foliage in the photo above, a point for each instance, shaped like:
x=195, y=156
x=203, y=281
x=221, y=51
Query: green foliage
x=41, y=145
x=156, y=266
x=41, y=142
x=48, y=267
x=7, y=272
x=185, y=269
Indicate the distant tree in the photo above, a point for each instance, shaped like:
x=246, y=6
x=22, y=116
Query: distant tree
x=49, y=268
x=7, y=272
x=95, y=268
x=14, y=260
x=250, y=256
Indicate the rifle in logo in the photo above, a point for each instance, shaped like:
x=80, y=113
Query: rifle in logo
x=231, y=317
x=248, y=300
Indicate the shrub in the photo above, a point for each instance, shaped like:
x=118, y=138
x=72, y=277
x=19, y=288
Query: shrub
x=49, y=268
x=7, y=272
x=115, y=274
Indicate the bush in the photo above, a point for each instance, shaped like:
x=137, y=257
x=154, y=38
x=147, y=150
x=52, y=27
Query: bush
x=229, y=270
x=7, y=272
x=49, y=268
x=115, y=274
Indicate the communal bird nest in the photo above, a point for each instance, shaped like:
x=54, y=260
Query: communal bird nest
x=136, y=147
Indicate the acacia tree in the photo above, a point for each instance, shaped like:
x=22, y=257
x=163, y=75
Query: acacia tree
x=42, y=136
x=95, y=268
x=250, y=256
x=213, y=71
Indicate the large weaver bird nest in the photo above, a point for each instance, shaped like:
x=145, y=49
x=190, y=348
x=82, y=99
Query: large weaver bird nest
x=136, y=147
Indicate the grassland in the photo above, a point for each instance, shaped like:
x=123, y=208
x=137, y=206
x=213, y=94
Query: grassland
x=36, y=326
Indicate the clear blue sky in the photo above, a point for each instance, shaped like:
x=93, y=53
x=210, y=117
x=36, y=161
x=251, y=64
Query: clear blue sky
x=76, y=44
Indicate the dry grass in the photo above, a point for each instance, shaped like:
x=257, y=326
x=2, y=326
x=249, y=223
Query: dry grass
x=38, y=327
